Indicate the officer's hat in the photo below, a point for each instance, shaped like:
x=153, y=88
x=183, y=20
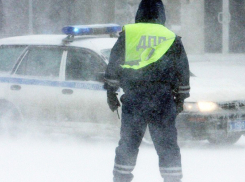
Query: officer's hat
x=151, y=11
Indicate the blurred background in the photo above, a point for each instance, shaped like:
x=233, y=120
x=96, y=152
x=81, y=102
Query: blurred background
x=206, y=26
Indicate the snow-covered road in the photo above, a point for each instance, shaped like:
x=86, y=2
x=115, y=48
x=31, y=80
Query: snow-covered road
x=63, y=158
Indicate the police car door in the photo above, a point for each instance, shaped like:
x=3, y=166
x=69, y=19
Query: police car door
x=33, y=84
x=82, y=97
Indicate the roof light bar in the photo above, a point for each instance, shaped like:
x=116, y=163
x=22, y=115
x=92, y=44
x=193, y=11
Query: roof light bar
x=97, y=29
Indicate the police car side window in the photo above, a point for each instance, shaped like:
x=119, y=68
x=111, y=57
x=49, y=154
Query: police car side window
x=41, y=62
x=82, y=65
x=9, y=56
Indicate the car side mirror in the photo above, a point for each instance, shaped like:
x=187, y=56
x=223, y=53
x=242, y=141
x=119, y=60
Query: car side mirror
x=100, y=77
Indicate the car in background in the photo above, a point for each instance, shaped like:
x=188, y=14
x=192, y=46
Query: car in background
x=215, y=109
x=57, y=80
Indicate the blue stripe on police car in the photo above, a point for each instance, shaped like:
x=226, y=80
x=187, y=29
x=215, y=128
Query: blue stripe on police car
x=71, y=84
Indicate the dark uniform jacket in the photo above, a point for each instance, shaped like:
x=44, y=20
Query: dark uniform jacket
x=171, y=69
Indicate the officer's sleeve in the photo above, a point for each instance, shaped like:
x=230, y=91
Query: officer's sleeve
x=114, y=70
x=182, y=72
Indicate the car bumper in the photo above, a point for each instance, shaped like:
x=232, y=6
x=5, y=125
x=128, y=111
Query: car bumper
x=200, y=126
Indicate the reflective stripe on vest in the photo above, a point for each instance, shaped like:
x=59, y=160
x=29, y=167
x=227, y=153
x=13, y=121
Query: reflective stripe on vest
x=146, y=43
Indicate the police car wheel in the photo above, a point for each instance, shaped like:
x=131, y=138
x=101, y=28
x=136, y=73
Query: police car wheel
x=223, y=138
x=10, y=118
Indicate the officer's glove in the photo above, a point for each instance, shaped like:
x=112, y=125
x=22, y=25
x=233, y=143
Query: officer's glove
x=113, y=101
x=179, y=105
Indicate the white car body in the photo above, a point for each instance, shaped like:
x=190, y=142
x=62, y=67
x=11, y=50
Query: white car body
x=54, y=100
x=221, y=81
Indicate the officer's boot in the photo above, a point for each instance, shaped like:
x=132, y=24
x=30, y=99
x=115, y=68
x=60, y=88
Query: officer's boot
x=172, y=180
x=123, y=178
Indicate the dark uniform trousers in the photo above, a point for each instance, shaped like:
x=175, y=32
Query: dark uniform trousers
x=154, y=107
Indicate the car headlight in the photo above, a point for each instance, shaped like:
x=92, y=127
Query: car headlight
x=191, y=107
x=201, y=106
x=207, y=106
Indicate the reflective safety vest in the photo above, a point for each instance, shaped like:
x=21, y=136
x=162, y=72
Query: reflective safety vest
x=146, y=43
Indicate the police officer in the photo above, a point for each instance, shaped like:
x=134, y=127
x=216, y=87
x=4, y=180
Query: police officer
x=150, y=64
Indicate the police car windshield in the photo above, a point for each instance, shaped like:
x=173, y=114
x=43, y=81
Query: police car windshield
x=8, y=56
x=106, y=53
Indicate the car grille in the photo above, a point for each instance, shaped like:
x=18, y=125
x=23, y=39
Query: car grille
x=235, y=105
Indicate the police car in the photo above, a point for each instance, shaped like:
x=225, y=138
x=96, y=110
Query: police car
x=57, y=80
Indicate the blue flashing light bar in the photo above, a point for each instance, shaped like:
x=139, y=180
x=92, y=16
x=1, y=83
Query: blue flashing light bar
x=92, y=29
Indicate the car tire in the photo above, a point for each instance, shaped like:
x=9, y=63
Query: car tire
x=223, y=138
x=10, y=118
